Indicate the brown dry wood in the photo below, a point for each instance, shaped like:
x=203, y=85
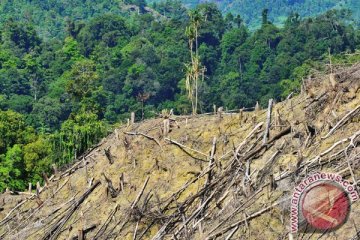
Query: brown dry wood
x=39, y=207
x=46, y=179
x=110, y=188
x=189, y=208
x=88, y=151
x=231, y=234
x=121, y=184
x=38, y=189
x=195, y=213
x=80, y=234
x=21, y=193
x=76, y=166
x=183, y=147
x=208, y=180
x=30, y=187
x=290, y=96
x=71, y=170
x=132, y=117
x=136, y=229
x=108, y=155
x=327, y=151
x=319, y=162
x=268, y=121
x=238, y=223
x=54, y=167
x=260, y=148
x=175, y=218
x=241, y=207
x=140, y=193
x=191, y=199
x=169, y=201
x=211, y=161
x=55, y=230
x=186, y=231
x=85, y=231
x=345, y=119
x=132, y=206
x=48, y=216
x=4, y=220
x=144, y=135
x=243, y=143
x=103, y=228
x=267, y=166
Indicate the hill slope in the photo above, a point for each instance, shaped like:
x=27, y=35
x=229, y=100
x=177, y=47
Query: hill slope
x=279, y=10
x=139, y=184
x=51, y=17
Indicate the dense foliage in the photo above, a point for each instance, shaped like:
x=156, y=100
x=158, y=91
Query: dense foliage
x=50, y=17
x=278, y=9
x=59, y=96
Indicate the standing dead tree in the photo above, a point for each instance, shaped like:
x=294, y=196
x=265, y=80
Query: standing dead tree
x=268, y=121
x=110, y=187
x=108, y=155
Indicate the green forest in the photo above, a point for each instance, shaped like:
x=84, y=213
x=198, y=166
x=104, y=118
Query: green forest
x=65, y=82
x=278, y=9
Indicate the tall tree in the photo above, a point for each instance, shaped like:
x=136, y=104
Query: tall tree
x=194, y=70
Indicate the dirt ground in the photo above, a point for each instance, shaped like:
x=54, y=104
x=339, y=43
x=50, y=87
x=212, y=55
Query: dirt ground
x=143, y=183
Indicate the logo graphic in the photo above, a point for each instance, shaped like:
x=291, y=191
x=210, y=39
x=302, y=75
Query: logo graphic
x=322, y=202
x=325, y=206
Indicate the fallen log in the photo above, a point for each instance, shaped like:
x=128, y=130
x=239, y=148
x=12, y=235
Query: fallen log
x=257, y=150
x=103, y=228
x=183, y=147
x=54, y=232
x=144, y=135
x=346, y=118
x=238, y=223
x=140, y=193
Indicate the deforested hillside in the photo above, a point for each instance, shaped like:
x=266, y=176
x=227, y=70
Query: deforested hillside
x=223, y=175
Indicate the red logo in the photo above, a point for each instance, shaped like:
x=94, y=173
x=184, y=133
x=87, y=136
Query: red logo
x=325, y=206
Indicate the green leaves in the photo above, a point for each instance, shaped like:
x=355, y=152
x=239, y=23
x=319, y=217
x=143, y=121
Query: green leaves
x=37, y=158
x=12, y=171
x=82, y=78
x=76, y=135
x=23, y=154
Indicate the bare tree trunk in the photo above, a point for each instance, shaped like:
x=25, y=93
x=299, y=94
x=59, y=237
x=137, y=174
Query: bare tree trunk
x=166, y=127
x=196, y=93
x=268, y=121
x=132, y=117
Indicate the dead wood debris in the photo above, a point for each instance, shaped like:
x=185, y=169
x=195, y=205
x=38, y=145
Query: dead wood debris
x=230, y=189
